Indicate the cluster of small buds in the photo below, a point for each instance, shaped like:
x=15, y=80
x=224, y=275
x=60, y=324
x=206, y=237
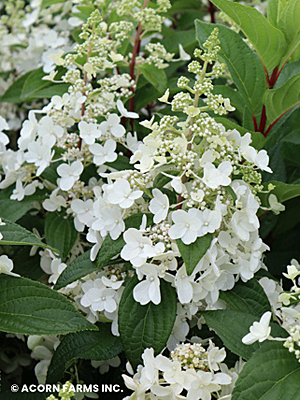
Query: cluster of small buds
x=185, y=160
x=72, y=75
x=292, y=340
x=191, y=356
x=78, y=190
x=181, y=101
x=206, y=126
x=116, y=82
x=15, y=13
x=203, y=87
x=136, y=179
x=159, y=233
x=94, y=18
x=167, y=121
x=163, y=5
x=195, y=67
x=183, y=82
x=72, y=153
x=169, y=146
x=212, y=46
x=67, y=141
x=127, y=7
x=218, y=104
x=218, y=69
x=158, y=55
x=120, y=30
x=118, y=273
x=252, y=177
x=149, y=19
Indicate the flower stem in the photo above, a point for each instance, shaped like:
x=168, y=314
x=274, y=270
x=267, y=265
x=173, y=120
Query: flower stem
x=180, y=199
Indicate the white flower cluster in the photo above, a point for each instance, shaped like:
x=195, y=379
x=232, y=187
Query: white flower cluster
x=191, y=179
x=192, y=372
x=30, y=37
x=289, y=316
x=42, y=348
x=187, y=179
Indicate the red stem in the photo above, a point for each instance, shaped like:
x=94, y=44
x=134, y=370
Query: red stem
x=179, y=200
x=261, y=215
x=212, y=9
x=288, y=57
x=273, y=78
x=254, y=122
x=276, y=120
x=263, y=120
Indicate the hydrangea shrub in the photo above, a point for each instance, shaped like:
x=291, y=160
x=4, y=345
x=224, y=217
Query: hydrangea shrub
x=149, y=197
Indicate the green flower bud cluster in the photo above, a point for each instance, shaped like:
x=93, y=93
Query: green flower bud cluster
x=15, y=14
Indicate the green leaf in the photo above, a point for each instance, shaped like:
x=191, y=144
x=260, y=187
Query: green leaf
x=120, y=164
x=247, y=297
x=258, y=140
x=283, y=192
x=50, y=173
x=243, y=64
x=276, y=164
x=157, y=77
x=88, y=345
x=31, y=308
x=286, y=124
x=289, y=20
x=268, y=41
x=193, y=252
x=57, y=89
x=181, y=5
x=287, y=72
x=274, y=10
x=31, y=86
x=48, y=3
x=81, y=266
x=289, y=219
x=161, y=180
x=144, y=96
x=14, y=209
x=185, y=38
x=60, y=233
x=111, y=248
x=14, y=234
x=26, y=265
x=231, y=326
x=146, y=326
x=293, y=51
x=231, y=192
x=279, y=101
x=284, y=248
x=273, y=373
x=290, y=148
